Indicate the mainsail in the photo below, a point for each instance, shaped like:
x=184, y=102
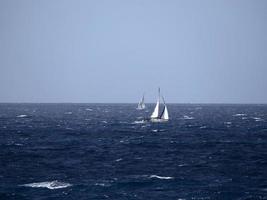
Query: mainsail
x=156, y=116
x=141, y=104
x=165, y=114
x=155, y=113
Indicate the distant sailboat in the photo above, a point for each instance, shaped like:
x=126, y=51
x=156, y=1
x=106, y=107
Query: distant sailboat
x=141, y=104
x=156, y=115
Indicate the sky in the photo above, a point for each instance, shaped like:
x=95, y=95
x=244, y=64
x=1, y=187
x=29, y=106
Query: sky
x=100, y=51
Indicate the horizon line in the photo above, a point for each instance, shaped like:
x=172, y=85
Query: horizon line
x=203, y=103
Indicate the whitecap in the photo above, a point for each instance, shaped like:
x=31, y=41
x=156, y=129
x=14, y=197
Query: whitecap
x=257, y=119
x=118, y=160
x=89, y=109
x=105, y=122
x=105, y=183
x=202, y=127
x=21, y=116
x=239, y=114
x=48, y=184
x=139, y=122
x=100, y=184
x=68, y=113
x=187, y=117
x=161, y=177
x=228, y=123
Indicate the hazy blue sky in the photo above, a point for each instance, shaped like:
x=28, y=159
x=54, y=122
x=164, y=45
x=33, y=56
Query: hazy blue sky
x=207, y=51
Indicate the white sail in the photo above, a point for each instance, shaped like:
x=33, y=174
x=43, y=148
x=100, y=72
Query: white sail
x=155, y=113
x=141, y=104
x=165, y=114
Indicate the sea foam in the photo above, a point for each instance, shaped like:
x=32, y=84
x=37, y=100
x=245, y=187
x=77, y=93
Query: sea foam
x=161, y=177
x=21, y=116
x=48, y=184
x=187, y=117
x=139, y=122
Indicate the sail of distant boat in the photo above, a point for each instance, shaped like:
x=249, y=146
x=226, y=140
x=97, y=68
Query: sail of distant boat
x=141, y=104
x=156, y=116
x=155, y=113
x=165, y=114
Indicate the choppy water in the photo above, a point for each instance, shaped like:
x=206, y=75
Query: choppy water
x=104, y=151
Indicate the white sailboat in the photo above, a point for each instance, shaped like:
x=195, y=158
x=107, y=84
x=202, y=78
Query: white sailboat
x=156, y=116
x=141, y=104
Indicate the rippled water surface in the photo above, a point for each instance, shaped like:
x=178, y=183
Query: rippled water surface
x=105, y=151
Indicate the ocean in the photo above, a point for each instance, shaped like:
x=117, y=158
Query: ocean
x=106, y=151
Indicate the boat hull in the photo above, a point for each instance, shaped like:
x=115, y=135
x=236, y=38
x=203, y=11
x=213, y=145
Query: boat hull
x=158, y=120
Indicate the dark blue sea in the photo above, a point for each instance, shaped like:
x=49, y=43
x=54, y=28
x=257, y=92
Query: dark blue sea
x=106, y=151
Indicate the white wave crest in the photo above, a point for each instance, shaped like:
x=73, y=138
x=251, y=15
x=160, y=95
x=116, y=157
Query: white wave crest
x=52, y=185
x=257, y=119
x=161, y=177
x=139, y=122
x=187, y=117
x=103, y=184
x=21, y=116
x=239, y=115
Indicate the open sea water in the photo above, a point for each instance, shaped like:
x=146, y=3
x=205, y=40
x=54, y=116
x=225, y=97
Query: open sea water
x=106, y=151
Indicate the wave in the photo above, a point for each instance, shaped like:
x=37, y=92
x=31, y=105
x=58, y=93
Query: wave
x=18, y=144
x=257, y=119
x=103, y=184
x=21, y=116
x=187, y=117
x=139, y=122
x=68, y=113
x=227, y=123
x=239, y=114
x=161, y=177
x=52, y=185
